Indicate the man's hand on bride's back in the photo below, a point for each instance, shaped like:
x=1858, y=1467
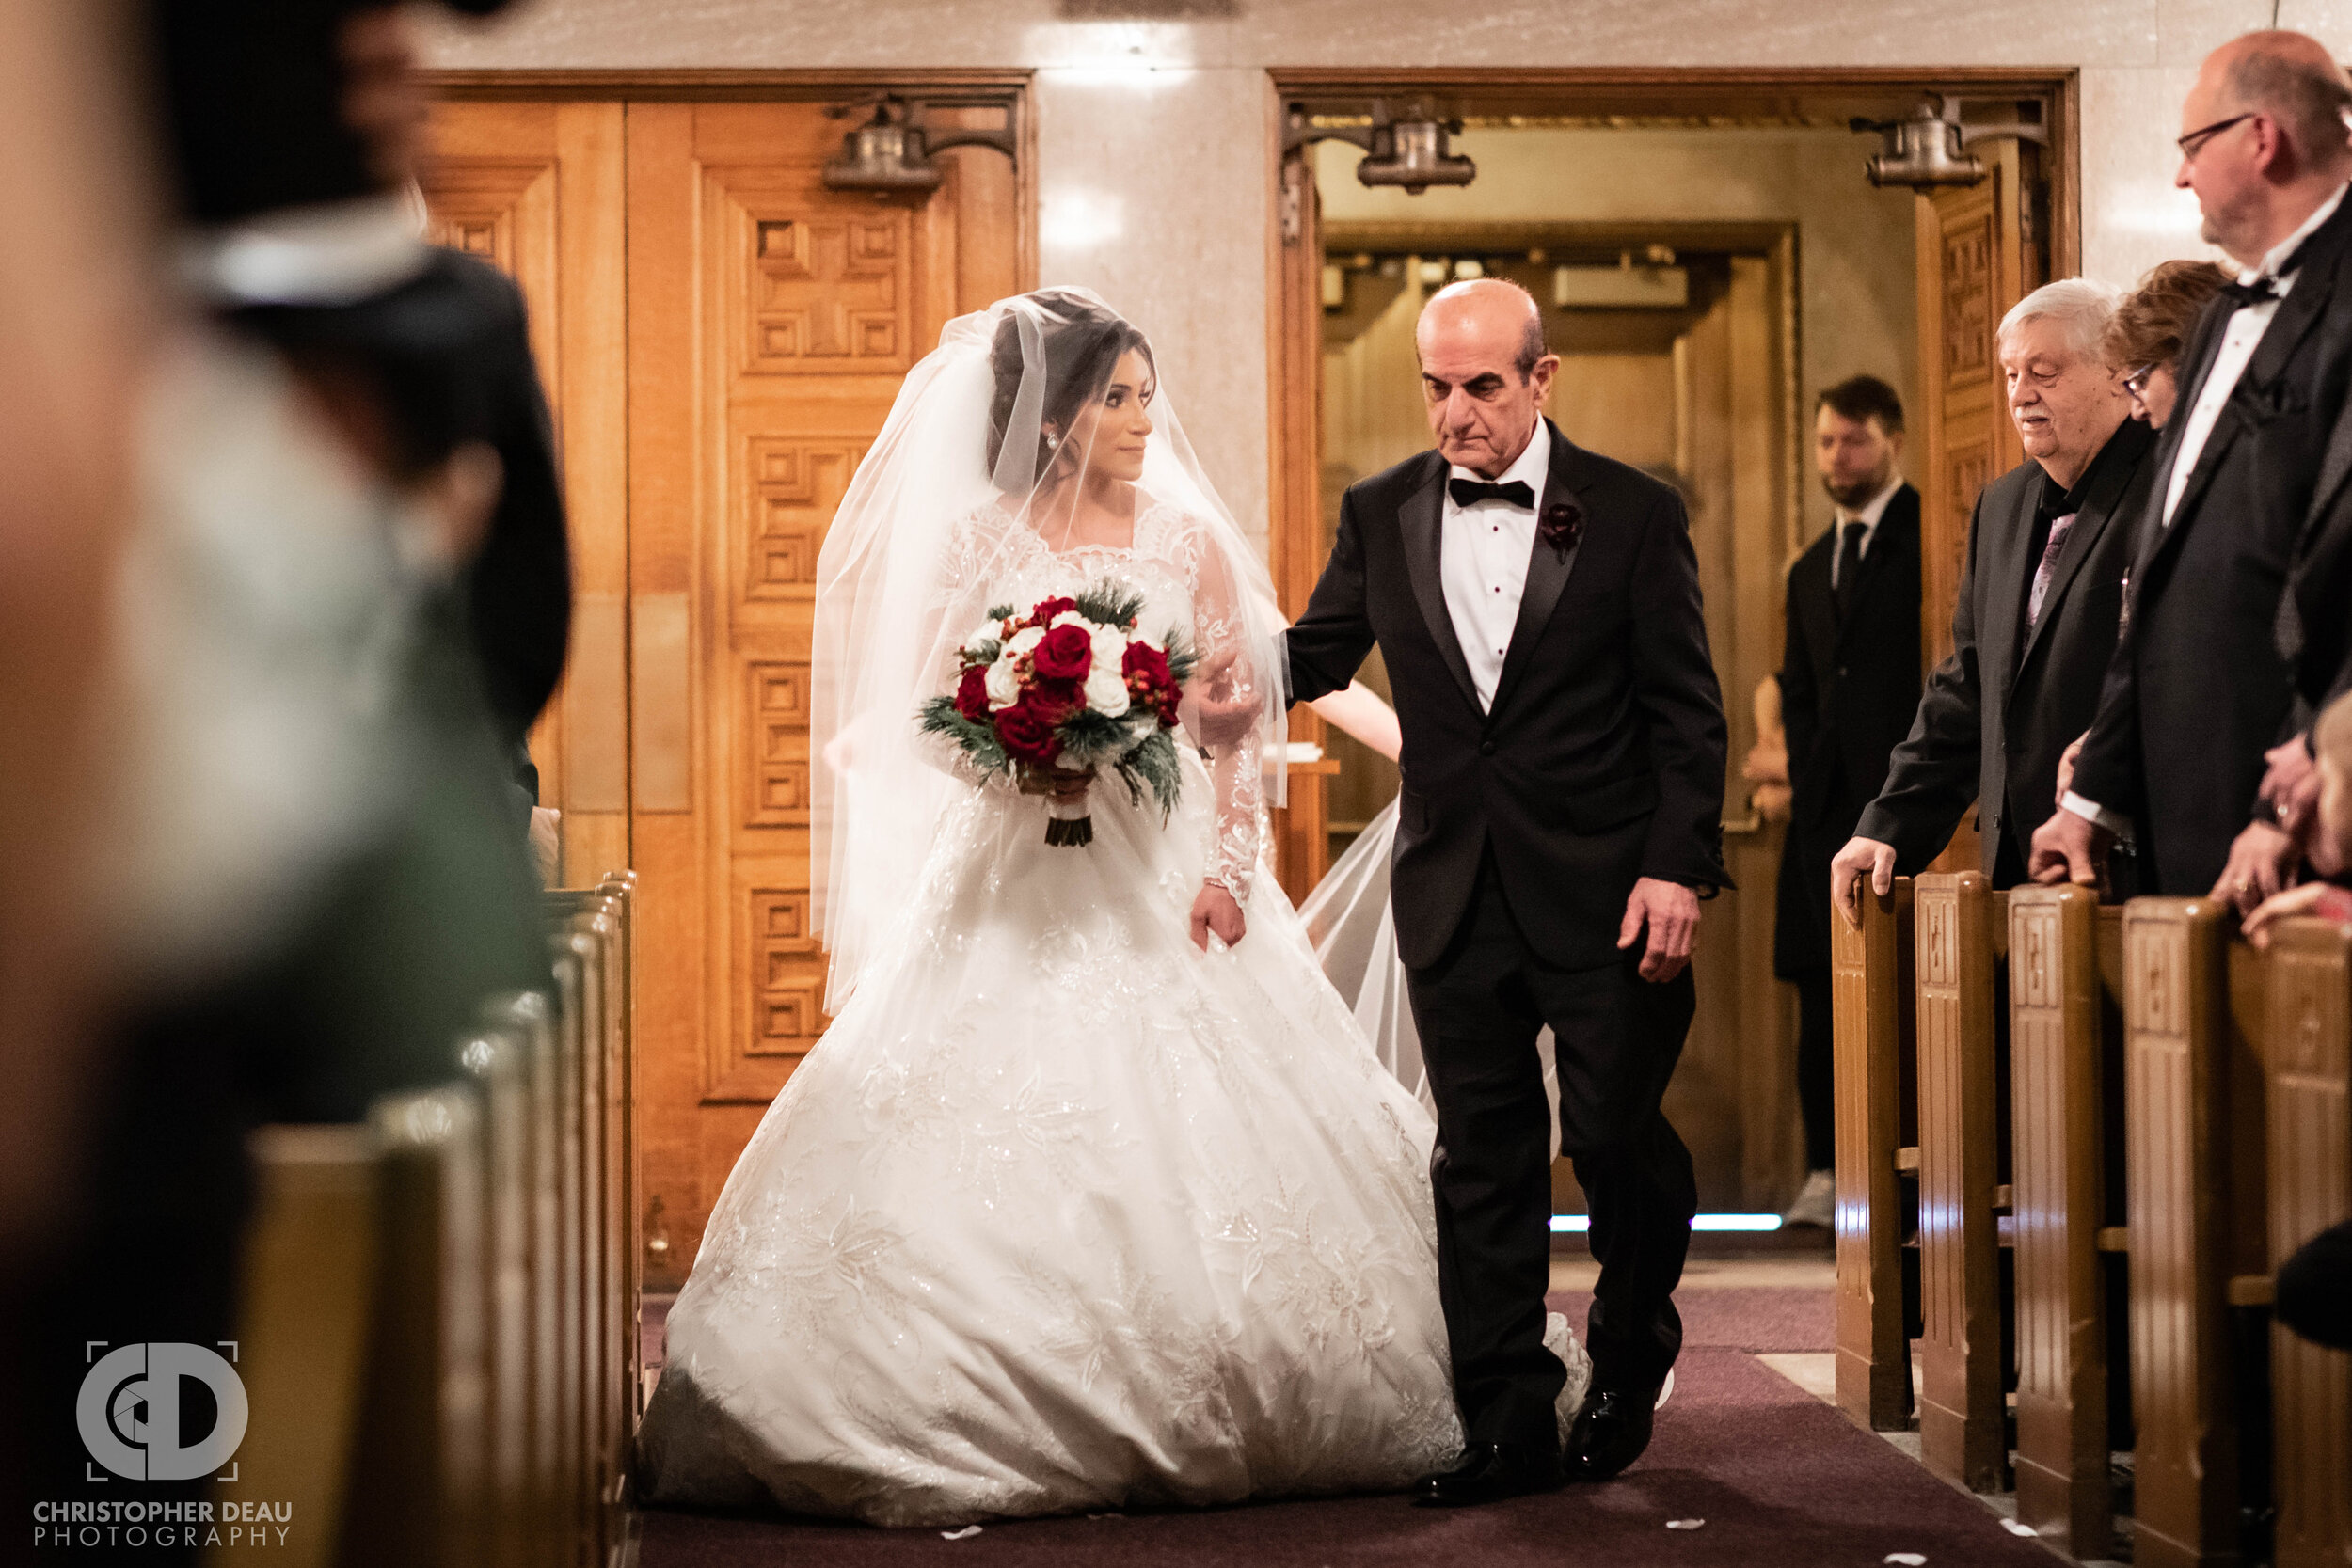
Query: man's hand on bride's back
x=1217, y=911
x=1671, y=912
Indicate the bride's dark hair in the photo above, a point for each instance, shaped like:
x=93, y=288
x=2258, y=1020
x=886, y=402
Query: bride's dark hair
x=1083, y=343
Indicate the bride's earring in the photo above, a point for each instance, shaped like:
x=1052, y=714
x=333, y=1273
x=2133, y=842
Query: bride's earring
x=1052, y=441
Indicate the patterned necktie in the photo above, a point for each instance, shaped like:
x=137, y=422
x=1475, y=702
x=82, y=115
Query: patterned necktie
x=2044, y=573
x=1848, y=565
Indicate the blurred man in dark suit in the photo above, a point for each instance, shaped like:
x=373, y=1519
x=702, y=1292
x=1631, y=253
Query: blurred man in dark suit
x=1850, y=683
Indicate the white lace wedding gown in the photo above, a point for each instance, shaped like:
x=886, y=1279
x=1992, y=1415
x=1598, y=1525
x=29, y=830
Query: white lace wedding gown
x=1062, y=1212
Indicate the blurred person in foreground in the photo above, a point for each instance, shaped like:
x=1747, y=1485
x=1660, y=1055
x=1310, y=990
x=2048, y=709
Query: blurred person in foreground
x=432, y=339
x=316, y=877
x=2314, y=1296
x=2040, y=598
x=80, y=312
x=2197, y=692
x=1849, y=684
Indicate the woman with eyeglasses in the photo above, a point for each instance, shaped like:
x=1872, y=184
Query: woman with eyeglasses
x=2144, y=340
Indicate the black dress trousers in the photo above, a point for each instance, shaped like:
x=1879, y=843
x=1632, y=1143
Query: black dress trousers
x=1479, y=1009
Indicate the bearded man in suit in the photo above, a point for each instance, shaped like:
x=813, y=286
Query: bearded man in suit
x=1538, y=606
x=1848, y=682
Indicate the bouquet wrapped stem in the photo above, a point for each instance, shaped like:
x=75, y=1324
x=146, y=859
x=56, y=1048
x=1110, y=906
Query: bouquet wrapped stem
x=1069, y=687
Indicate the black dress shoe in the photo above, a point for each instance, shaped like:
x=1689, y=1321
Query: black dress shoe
x=1489, y=1473
x=1608, y=1433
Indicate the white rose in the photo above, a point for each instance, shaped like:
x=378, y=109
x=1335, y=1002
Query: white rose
x=987, y=631
x=1071, y=618
x=1023, y=640
x=1004, y=683
x=1107, y=690
x=1110, y=647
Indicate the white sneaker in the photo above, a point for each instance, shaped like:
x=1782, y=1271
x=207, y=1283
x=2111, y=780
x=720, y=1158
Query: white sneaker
x=1816, y=1201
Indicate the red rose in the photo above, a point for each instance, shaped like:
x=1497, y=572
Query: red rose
x=1145, y=660
x=1065, y=655
x=1027, y=735
x=972, y=694
x=1047, y=609
x=1053, y=700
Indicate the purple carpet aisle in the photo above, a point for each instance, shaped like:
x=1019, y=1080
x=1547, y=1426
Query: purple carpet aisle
x=1780, y=1480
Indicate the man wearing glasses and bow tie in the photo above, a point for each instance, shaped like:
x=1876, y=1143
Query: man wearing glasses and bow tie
x=2197, y=692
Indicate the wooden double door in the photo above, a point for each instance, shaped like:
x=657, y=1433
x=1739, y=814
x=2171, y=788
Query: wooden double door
x=721, y=336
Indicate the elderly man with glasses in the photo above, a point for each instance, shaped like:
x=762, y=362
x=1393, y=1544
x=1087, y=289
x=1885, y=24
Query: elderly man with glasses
x=2197, y=692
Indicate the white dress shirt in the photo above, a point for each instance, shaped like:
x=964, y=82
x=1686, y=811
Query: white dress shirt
x=2239, y=339
x=1868, y=516
x=1483, y=554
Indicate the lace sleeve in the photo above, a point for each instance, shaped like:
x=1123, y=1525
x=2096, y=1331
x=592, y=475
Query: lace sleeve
x=1234, y=768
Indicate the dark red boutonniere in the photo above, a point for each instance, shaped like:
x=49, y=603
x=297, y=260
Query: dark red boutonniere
x=1562, y=525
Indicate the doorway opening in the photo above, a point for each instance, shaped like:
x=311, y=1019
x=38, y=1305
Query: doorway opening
x=1708, y=254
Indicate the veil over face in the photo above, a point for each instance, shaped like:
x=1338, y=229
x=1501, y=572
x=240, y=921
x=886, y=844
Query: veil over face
x=993, y=418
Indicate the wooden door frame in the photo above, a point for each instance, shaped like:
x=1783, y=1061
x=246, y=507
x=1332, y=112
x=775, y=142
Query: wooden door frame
x=1294, y=319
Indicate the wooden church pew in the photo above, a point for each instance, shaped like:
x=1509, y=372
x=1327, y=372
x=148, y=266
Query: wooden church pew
x=2193, y=1003
x=467, y=1259
x=422, y=1490
x=1961, y=932
x=2065, y=956
x=2307, y=1062
x=1871, y=971
x=306, y=1310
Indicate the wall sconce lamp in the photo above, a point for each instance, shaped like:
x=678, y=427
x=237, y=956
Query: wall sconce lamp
x=893, y=151
x=1930, y=147
x=1413, y=152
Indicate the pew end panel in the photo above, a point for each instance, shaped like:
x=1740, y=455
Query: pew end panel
x=1963, y=1420
x=1871, y=979
x=2059, y=1036
x=2307, y=1049
x=2187, y=1116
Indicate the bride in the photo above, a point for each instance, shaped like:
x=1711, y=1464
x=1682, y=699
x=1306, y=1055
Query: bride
x=1093, y=1196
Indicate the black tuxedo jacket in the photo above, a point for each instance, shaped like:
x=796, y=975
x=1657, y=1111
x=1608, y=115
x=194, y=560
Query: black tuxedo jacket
x=448, y=353
x=2315, y=623
x=1602, y=758
x=2197, y=690
x=1848, y=690
x=2006, y=703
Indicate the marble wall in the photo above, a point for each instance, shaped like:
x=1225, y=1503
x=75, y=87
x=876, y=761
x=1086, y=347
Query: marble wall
x=1153, y=114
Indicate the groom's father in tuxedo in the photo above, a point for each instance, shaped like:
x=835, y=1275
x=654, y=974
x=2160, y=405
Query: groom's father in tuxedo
x=1538, y=606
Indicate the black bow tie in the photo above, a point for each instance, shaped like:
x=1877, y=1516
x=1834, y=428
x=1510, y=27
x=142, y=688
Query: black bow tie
x=2266, y=286
x=1469, y=492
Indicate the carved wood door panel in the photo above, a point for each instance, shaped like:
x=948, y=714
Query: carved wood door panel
x=770, y=322
x=535, y=188
x=1976, y=259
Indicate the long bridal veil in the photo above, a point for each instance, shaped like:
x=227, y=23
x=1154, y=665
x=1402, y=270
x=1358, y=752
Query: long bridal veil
x=979, y=423
x=1349, y=920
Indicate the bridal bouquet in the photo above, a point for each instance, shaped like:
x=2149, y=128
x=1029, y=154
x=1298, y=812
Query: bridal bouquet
x=1070, y=686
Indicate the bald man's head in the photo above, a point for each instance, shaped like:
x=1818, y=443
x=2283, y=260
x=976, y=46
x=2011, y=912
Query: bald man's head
x=1485, y=373
x=2292, y=78
x=1489, y=305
